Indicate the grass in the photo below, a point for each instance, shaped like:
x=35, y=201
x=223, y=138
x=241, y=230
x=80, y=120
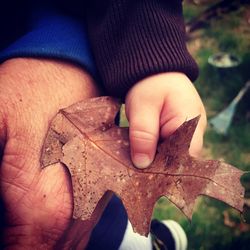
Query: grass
x=235, y=147
x=214, y=224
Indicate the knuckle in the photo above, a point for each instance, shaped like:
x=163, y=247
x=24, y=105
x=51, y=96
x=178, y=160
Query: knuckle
x=142, y=135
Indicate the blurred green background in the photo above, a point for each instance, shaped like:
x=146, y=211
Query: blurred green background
x=212, y=27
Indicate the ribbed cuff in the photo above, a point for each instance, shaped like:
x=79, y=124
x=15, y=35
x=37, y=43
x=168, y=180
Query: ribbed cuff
x=137, y=39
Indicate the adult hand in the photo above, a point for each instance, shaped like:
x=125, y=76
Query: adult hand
x=38, y=202
x=156, y=106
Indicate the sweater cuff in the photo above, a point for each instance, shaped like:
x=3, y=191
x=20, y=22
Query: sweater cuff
x=53, y=36
x=136, y=39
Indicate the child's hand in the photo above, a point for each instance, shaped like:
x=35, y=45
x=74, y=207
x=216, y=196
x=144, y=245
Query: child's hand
x=156, y=106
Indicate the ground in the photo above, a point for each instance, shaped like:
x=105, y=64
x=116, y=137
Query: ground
x=215, y=225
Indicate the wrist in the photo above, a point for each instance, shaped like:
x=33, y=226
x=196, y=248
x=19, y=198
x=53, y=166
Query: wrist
x=157, y=87
x=33, y=90
x=40, y=81
x=166, y=78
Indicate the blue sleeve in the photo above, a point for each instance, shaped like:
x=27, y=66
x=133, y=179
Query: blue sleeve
x=52, y=35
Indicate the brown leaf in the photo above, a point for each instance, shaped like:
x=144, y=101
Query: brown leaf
x=96, y=152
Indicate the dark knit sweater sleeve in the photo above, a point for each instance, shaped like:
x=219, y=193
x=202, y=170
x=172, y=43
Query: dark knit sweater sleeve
x=134, y=39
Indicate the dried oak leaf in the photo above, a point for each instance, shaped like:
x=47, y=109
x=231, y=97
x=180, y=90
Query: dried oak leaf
x=96, y=152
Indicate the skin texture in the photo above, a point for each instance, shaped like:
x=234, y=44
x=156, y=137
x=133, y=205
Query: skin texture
x=156, y=107
x=38, y=202
x=31, y=93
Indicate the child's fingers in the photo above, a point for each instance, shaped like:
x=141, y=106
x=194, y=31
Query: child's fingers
x=197, y=142
x=143, y=131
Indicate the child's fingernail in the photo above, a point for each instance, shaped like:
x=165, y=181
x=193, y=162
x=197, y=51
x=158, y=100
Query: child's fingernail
x=141, y=160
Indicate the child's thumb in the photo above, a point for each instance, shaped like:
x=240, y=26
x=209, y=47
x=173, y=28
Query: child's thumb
x=143, y=132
